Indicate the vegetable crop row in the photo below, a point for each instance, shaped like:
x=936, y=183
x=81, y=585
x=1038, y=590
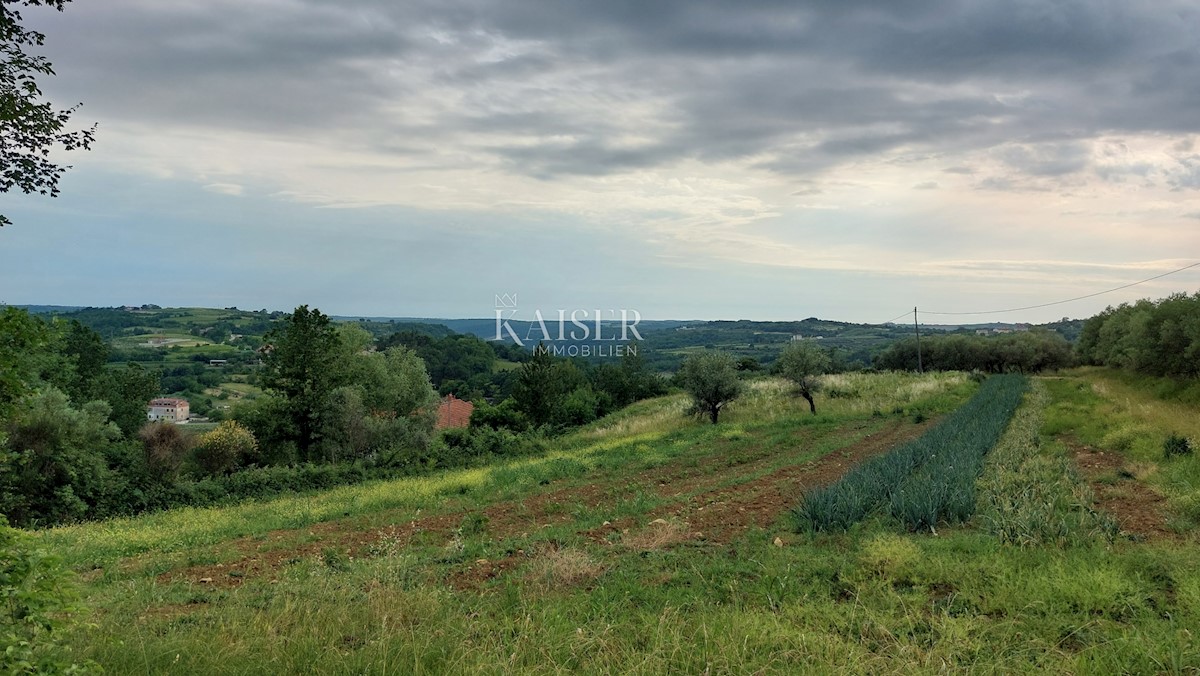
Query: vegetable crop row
x=927, y=481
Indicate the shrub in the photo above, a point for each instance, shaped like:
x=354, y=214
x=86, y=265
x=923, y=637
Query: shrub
x=37, y=597
x=220, y=450
x=1176, y=445
x=164, y=446
x=504, y=415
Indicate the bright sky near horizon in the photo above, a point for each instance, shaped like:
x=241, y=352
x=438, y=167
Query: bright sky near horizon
x=683, y=158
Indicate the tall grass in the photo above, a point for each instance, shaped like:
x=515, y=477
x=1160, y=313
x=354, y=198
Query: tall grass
x=924, y=482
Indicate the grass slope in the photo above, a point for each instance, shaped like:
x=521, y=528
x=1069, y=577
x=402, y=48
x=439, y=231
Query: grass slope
x=646, y=543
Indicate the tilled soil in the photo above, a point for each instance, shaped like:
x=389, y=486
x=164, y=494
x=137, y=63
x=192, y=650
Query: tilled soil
x=1139, y=510
x=707, y=509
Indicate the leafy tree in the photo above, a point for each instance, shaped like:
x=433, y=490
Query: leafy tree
x=801, y=362
x=219, y=450
x=395, y=381
x=748, y=364
x=128, y=391
x=301, y=365
x=450, y=360
x=712, y=380
x=388, y=402
x=345, y=434
x=87, y=353
x=627, y=382
x=538, y=389
x=269, y=419
x=22, y=338
x=30, y=127
x=54, y=468
x=1025, y=352
x=1160, y=338
x=579, y=407
x=502, y=416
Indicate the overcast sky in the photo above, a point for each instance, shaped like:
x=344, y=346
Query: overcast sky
x=694, y=159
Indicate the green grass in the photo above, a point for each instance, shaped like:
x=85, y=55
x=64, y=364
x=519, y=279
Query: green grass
x=244, y=389
x=636, y=599
x=1129, y=415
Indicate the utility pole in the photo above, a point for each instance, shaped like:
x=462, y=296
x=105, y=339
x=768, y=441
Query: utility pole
x=917, y=328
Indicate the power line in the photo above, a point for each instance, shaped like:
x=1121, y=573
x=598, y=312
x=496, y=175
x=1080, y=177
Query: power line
x=1060, y=302
x=902, y=314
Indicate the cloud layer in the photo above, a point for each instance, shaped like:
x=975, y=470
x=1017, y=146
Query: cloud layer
x=859, y=136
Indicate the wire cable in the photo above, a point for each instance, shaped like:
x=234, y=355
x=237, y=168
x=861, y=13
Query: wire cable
x=902, y=314
x=1060, y=302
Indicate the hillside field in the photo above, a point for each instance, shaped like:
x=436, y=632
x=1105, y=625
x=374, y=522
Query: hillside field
x=652, y=542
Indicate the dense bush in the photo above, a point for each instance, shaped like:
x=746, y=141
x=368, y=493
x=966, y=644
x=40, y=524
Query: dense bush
x=220, y=450
x=924, y=482
x=502, y=416
x=37, y=595
x=1160, y=338
x=165, y=447
x=53, y=465
x=1176, y=445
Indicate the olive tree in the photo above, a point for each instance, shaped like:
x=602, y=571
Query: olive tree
x=712, y=380
x=801, y=362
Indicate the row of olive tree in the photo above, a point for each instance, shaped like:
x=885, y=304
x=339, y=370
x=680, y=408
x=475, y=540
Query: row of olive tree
x=713, y=379
x=1024, y=352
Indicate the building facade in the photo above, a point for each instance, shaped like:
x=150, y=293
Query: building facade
x=168, y=409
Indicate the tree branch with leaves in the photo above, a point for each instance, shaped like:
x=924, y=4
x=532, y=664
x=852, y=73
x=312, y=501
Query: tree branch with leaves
x=30, y=127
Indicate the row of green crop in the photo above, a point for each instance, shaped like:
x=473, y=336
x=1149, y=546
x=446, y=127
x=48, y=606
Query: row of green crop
x=924, y=482
x=1030, y=493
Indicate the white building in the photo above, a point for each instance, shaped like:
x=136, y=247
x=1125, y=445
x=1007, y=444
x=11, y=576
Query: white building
x=168, y=409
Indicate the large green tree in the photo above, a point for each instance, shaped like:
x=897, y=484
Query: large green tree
x=88, y=354
x=388, y=406
x=537, y=390
x=24, y=339
x=128, y=390
x=30, y=127
x=53, y=467
x=712, y=380
x=303, y=364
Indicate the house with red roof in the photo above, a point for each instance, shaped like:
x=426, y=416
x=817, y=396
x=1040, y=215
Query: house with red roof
x=453, y=412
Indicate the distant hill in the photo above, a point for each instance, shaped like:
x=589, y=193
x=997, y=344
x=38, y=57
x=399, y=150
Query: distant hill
x=665, y=342
x=49, y=309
